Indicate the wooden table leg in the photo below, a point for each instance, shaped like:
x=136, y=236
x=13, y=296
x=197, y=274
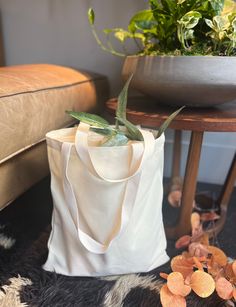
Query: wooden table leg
x=224, y=197
x=175, y=183
x=176, y=155
x=189, y=187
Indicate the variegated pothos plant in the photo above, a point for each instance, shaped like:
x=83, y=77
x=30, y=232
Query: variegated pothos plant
x=178, y=27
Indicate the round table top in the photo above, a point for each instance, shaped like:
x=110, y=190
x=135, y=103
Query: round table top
x=146, y=112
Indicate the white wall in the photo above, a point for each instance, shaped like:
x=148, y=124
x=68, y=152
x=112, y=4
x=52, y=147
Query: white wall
x=57, y=31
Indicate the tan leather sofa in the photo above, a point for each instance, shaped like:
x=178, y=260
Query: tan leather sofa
x=33, y=100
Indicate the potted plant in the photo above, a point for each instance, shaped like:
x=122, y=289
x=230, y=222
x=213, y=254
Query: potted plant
x=186, y=51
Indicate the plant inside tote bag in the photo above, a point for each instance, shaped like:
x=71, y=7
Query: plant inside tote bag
x=106, y=183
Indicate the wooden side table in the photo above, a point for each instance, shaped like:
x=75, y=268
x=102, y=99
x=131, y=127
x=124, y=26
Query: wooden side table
x=148, y=113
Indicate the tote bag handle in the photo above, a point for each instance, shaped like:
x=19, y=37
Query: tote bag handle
x=127, y=204
x=82, y=148
x=130, y=194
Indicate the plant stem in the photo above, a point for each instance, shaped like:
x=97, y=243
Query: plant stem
x=111, y=50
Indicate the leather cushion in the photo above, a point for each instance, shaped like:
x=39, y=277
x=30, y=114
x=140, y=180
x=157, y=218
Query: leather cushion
x=33, y=100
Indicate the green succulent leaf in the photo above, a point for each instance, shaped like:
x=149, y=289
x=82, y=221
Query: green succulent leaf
x=91, y=16
x=122, y=100
x=90, y=119
x=115, y=140
x=167, y=122
x=103, y=131
x=133, y=131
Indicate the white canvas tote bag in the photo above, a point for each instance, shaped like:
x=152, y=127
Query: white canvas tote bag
x=107, y=216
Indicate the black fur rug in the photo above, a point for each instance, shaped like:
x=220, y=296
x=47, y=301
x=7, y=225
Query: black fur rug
x=24, y=232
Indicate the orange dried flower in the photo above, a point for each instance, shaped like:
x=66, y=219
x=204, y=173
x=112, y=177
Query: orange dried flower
x=229, y=273
x=183, y=241
x=198, y=264
x=215, y=269
x=198, y=250
x=169, y=299
x=204, y=239
x=182, y=265
x=234, y=294
x=218, y=255
x=175, y=283
x=220, y=275
x=163, y=275
x=234, y=267
x=188, y=279
x=224, y=288
x=202, y=283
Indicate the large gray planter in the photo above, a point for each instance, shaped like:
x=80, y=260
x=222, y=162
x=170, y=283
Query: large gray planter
x=184, y=80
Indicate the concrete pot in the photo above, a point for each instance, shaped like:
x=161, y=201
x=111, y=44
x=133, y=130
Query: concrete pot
x=198, y=81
